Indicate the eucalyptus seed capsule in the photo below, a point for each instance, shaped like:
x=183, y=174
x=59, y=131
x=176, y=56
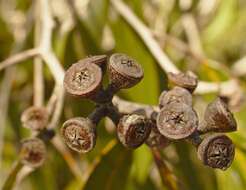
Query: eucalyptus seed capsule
x=161, y=98
x=133, y=130
x=177, y=121
x=218, y=118
x=216, y=151
x=156, y=139
x=79, y=134
x=35, y=118
x=83, y=79
x=184, y=80
x=33, y=152
x=177, y=94
x=124, y=72
x=99, y=60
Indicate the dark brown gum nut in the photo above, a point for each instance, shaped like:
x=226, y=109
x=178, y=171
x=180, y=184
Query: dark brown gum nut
x=216, y=151
x=99, y=60
x=177, y=121
x=79, y=134
x=133, y=130
x=83, y=79
x=124, y=72
x=218, y=118
x=35, y=118
x=177, y=94
x=185, y=80
x=33, y=152
x=156, y=139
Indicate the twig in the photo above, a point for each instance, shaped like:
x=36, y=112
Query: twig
x=52, y=101
x=228, y=87
x=167, y=177
x=4, y=104
x=184, y=48
x=155, y=49
x=45, y=43
x=192, y=33
x=50, y=58
x=146, y=36
x=38, y=84
x=127, y=107
x=9, y=183
x=23, y=173
x=97, y=160
x=58, y=107
x=239, y=68
x=19, y=57
x=63, y=150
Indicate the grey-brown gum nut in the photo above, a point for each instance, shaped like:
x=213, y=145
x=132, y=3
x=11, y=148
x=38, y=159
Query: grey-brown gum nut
x=79, y=134
x=218, y=118
x=33, y=152
x=156, y=139
x=133, y=130
x=99, y=60
x=124, y=72
x=177, y=94
x=83, y=79
x=35, y=118
x=177, y=121
x=184, y=80
x=216, y=151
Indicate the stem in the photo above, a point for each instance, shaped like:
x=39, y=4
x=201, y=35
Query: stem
x=165, y=63
x=19, y=57
x=146, y=36
x=4, y=105
x=98, y=113
x=58, y=107
x=195, y=139
x=22, y=174
x=38, y=66
x=167, y=177
x=38, y=82
x=126, y=107
x=68, y=157
x=114, y=114
x=9, y=183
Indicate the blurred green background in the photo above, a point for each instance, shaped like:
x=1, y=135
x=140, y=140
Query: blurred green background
x=96, y=27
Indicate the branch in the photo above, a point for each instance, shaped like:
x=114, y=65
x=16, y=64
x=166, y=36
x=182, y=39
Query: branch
x=239, y=68
x=22, y=174
x=146, y=36
x=63, y=150
x=38, y=84
x=58, y=106
x=50, y=59
x=27, y=54
x=192, y=33
x=226, y=88
x=10, y=181
x=45, y=43
x=167, y=177
x=127, y=107
x=5, y=90
x=162, y=59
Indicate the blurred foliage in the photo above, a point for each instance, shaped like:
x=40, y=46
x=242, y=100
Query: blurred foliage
x=98, y=28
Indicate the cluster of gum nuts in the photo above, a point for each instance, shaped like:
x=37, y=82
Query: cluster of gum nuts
x=175, y=120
